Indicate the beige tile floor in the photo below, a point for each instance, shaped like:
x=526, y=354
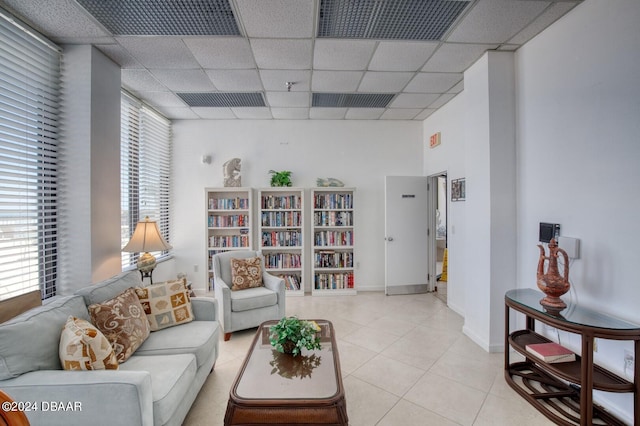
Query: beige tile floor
x=405, y=362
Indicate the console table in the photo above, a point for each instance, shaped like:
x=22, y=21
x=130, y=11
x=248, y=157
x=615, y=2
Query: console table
x=545, y=385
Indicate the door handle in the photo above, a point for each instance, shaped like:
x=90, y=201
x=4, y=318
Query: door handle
x=389, y=238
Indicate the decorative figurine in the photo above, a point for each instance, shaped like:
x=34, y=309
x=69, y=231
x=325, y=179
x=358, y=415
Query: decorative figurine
x=329, y=182
x=231, y=170
x=552, y=283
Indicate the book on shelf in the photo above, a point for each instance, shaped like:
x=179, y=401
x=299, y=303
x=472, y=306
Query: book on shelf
x=551, y=352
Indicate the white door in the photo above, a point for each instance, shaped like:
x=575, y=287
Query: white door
x=406, y=234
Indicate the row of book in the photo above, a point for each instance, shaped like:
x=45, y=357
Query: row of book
x=333, y=218
x=333, y=259
x=291, y=282
x=281, y=239
x=333, y=201
x=339, y=281
x=229, y=241
x=216, y=221
x=282, y=260
x=333, y=238
x=281, y=202
x=292, y=218
x=228, y=203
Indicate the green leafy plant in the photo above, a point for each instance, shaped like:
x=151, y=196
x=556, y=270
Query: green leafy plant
x=282, y=178
x=291, y=334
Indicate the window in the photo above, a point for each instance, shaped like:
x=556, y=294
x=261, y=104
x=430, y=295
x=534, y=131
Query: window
x=145, y=167
x=29, y=162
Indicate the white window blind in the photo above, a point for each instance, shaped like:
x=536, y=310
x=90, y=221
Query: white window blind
x=29, y=94
x=145, y=166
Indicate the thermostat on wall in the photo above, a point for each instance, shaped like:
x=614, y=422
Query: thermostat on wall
x=549, y=231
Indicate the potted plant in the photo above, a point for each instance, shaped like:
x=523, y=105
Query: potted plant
x=291, y=334
x=282, y=178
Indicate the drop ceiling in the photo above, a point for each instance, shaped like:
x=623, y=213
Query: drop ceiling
x=293, y=59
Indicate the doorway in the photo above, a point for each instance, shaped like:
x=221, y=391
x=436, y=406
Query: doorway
x=438, y=238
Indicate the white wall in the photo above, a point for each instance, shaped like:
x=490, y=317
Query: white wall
x=360, y=153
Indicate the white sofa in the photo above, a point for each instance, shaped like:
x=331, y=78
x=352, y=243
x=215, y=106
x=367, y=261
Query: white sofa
x=155, y=386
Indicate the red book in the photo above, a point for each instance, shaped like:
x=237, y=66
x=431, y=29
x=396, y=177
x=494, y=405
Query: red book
x=551, y=352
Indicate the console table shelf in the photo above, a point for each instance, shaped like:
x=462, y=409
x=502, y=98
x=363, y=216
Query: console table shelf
x=564, y=391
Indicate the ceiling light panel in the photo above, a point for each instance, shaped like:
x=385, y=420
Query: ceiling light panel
x=388, y=19
x=223, y=99
x=351, y=100
x=164, y=17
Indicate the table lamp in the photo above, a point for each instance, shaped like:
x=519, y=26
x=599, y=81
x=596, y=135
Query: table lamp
x=146, y=238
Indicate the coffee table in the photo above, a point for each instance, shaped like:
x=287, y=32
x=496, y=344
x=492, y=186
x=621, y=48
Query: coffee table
x=278, y=389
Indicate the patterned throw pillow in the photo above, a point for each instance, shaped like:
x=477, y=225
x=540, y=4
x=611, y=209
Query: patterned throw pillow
x=123, y=321
x=246, y=273
x=84, y=347
x=166, y=304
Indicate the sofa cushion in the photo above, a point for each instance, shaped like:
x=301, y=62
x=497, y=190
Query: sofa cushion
x=198, y=338
x=171, y=378
x=84, y=347
x=123, y=321
x=166, y=304
x=110, y=288
x=29, y=342
x=246, y=273
x=252, y=298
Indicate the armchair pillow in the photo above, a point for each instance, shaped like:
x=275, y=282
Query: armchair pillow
x=166, y=304
x=84, y=347
x=246, y=273
x=123, y=321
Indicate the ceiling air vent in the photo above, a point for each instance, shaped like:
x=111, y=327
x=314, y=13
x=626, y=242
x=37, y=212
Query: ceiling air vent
x=164, y=17
x=388, y=19
x=219, y=99
x=351, y=100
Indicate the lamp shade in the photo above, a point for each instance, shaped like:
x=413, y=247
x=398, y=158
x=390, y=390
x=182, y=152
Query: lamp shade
x=146, y=238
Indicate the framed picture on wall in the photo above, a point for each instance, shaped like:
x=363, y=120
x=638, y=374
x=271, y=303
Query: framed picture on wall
x=458, y=189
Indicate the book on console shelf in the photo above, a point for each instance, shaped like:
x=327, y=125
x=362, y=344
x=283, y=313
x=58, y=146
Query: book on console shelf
x=551, y=352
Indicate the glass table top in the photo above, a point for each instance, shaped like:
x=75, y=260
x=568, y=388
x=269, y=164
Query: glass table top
x=573, y=313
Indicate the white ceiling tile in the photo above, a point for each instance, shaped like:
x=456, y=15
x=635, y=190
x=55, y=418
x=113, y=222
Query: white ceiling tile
x=253, y=113
x=451, y=57
x=277, y=18
x=119, y=55
x=140, y=81
x=184, y=80
x=290, y=113
x=327, y=113
x=496, y=21
x=433, y=82
x=275, y=80
x=457, y=88
x=288, y=99
x=401, y=55
x=236, y=80
x=443, y=99
x=163, y=99
x=282, y=53
x=424, y=114
x=214, y=113
x=178, y=113
x=159, y=52
x=346, y=55
x=400, y=114
x=364, y=113
x=336, y=81
x=221, y=52
x=543, y=21
x=413, y=100
x=384, y=82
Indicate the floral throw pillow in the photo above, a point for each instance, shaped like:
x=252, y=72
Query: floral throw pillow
x=123, y=321
x=166, y=304
x=246, y=273
x=84, y=347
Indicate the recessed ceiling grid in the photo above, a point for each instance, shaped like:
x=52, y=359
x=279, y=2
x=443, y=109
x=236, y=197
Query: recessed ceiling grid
x=351, y=100
x=164, y=17
x=222, y=99
x=388, y=19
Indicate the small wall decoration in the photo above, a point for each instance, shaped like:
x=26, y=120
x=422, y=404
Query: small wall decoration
x=434, y=140
x=458, y=189
x=231, y=171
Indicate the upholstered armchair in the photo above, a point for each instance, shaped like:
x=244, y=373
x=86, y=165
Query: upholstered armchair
x=248, y=308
